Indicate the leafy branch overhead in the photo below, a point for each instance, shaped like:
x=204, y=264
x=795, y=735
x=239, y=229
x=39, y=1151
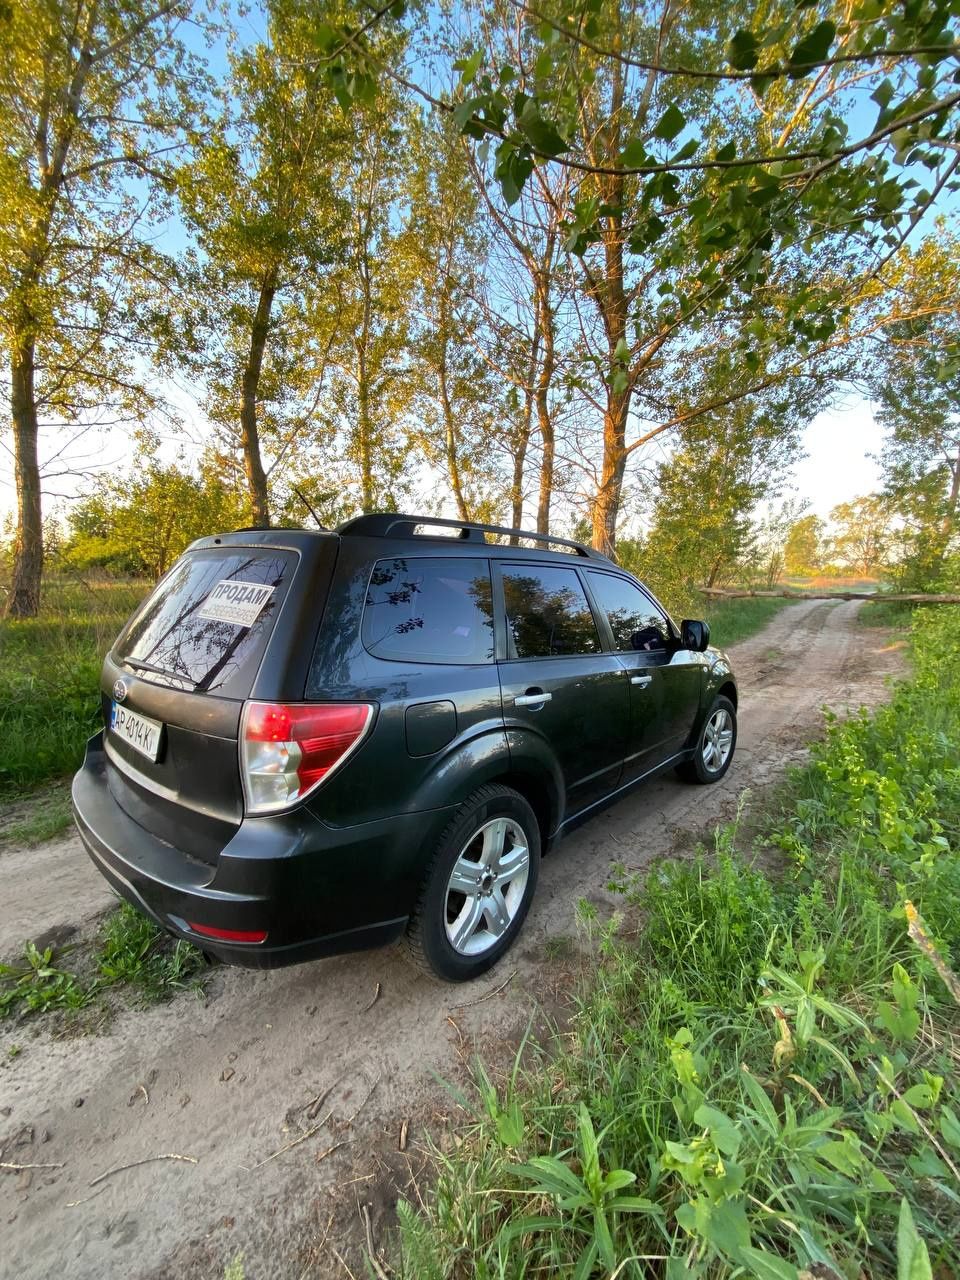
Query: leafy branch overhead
x=844, y=164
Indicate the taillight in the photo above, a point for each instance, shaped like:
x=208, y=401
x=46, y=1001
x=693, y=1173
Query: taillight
x=287, y=749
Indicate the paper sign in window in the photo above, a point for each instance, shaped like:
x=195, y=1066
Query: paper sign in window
x=238, y=602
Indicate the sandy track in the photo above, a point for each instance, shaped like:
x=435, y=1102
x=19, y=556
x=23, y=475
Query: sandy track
x=226, y=1082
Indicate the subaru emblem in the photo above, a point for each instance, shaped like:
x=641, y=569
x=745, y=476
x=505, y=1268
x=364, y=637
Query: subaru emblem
x=119, y=690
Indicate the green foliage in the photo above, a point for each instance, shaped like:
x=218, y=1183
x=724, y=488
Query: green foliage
x=915, y=377
x=50, y=677
x=722, y=466
x=803, y=549
x=734, y=620
x=130, y=952
x=135, y=952
x=862, y=537
x=885, y=613
x=748, y=1065
x=888, y=784
x=139, y=524
x=792, y=45
x=35, y=985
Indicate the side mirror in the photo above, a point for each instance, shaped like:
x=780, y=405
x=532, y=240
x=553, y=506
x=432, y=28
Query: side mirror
x=694, y=635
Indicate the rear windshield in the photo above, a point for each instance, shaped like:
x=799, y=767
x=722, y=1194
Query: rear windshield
x=206, y=626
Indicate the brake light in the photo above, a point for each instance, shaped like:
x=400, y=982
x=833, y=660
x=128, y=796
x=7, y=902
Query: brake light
x=229, y=935
x=287, y=749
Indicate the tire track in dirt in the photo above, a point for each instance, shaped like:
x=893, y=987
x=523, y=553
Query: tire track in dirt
x=229, y=1082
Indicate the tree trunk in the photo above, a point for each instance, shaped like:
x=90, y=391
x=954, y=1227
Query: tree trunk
x=521, y=442
x=249, y=433
x=24, y=600
x=544, y=419
x=611, y=299
x=606, y=505
x=364, y=443
x=953, y=501
x=516, y=490
x=450, y=437
x=522, y=438
x=362, y=346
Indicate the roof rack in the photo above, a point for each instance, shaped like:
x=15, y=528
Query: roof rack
x=384, y=524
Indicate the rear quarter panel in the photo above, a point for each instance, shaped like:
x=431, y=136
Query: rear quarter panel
x=385, y=777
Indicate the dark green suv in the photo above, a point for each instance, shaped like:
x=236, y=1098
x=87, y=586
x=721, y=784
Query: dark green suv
x=315, y=742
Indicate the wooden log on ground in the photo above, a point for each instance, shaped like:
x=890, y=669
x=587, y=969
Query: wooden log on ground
x=876, y=597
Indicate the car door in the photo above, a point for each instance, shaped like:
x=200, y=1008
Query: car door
x=664, y=678
x=556, y=681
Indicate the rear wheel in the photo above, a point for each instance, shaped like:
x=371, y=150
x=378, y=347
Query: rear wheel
x=479, y=886
x=715, y=746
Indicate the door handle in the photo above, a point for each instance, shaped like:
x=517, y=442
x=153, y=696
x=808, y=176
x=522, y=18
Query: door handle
x=532, y=698
x=642, y=681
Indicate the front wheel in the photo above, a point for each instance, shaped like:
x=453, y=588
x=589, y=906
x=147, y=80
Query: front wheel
x=479, y=886
x=715, y=746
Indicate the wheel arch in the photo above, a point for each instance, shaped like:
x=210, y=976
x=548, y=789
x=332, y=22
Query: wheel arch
x=728, y=690
x=537, y=791
x=533, y=771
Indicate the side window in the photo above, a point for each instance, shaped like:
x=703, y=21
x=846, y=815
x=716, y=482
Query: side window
x=636, y=623
x=547, y=612
x=429, y=610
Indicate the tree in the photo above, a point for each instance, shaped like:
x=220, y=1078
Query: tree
x=763, y=557
x=371, y=392
x=861, y=533
x=721, y=468
x=140, y=523
x=803, y=549
x=916, y=382
x=444, y=249
x=93, y=98
x=259, y=196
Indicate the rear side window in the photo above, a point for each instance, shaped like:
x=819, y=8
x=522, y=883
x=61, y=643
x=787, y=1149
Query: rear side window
x=206, y=625
x=636, y=623
x=429, y=610
x=547, y=613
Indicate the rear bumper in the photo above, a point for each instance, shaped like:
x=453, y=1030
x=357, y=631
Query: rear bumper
x=316, y=890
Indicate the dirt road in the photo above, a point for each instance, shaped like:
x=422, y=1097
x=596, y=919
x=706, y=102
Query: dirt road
x=229, y=1083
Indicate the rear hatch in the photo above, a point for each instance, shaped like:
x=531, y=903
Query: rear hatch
x=174, y=684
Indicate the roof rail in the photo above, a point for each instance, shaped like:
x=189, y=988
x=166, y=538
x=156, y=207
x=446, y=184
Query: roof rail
x=383, y=524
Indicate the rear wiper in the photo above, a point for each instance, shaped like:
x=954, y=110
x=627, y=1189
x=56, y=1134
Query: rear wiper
x=139, y=665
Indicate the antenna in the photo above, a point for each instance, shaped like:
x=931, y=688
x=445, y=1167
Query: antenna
x=303, y=499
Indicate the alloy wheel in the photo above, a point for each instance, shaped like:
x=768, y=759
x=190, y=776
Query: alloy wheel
x=486, y=886
x=717, y=740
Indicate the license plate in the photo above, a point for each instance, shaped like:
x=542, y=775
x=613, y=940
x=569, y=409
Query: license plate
x=142, y=733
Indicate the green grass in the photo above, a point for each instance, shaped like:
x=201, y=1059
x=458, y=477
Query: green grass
x=760, y=1076
x=50, y=676
x=886, y=613
x=130, y=954
x=41, y=816
x=734, y=620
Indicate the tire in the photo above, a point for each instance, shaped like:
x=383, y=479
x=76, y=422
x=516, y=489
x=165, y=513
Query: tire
x=460, y=935
x=703, y=767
